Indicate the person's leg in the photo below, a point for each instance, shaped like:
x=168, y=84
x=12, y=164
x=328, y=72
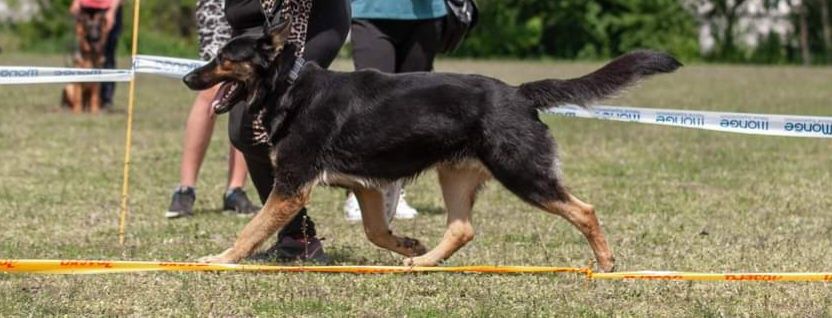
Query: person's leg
x=235, y=198
x=329, y=25
x=198, y=130
x=108, y=89
x=237, y=169
x=417, y=52
x=371, y=47
x=418, y=42
x=214, y=32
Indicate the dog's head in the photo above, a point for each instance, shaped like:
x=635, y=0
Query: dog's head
x=91, y=26
x=246, y=67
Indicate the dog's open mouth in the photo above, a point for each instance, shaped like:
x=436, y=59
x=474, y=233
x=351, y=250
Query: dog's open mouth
x=228, y=95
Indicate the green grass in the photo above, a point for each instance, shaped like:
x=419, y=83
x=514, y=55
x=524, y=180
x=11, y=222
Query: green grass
x=669, y=199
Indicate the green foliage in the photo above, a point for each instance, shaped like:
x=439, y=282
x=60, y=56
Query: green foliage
x=50, y=31
x=564, y=29
x=770, y=51
x=503, y=32
x=167, y=28
x=582, y=29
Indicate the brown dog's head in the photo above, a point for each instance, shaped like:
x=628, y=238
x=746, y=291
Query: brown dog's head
x=245, y=66
x=90, y=26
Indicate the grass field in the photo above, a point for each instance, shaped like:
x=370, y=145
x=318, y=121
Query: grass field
x=669, y=199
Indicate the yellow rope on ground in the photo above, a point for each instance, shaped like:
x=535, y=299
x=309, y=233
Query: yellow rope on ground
x=131, y=99
x=103, y=267
x=727, y=277
x=109, y=267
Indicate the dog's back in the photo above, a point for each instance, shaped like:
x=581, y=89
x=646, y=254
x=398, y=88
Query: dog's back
x=392, y=126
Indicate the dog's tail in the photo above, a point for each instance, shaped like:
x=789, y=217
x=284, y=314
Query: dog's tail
x=619, y=74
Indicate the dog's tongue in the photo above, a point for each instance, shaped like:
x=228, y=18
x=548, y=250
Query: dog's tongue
x=216, y=104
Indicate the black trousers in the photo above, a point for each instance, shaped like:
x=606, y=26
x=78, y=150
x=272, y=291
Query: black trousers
x=108, y=89
x=329, y=25
x=396, y=46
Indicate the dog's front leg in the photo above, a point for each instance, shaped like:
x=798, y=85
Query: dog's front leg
x=76, y=97
x=95, y=97
x=278, y=210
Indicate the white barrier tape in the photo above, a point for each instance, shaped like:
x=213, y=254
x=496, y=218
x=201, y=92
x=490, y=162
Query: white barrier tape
x=755, y=124
x=165, y=66
x=156, y=65
x=42, y=75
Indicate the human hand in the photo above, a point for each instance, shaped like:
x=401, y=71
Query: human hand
x=75, y=7
x=109, y=20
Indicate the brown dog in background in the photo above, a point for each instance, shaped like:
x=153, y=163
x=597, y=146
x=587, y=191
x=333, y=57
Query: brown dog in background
x=90, y=33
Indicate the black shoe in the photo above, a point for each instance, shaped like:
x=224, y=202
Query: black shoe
x=182, y=203
x=236, y=200
x=293, y=249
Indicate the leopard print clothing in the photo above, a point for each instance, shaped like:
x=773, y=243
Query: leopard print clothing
x=298, y=11
x=214, y=31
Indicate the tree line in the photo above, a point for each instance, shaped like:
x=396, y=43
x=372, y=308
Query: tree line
x=738, y=31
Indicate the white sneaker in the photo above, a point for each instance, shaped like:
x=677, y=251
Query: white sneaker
x=352, y=211
x=404, y=210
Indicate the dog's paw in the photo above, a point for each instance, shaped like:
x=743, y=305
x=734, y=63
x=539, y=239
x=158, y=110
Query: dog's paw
x=607, y=265
x=420, y=261
x=608, y=268
x=218, y=259
x=413, y=247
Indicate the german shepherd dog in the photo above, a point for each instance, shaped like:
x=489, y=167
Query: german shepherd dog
x=362, y=130
x=91, y=37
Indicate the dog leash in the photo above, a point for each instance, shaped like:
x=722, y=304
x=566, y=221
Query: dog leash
x=298, y=12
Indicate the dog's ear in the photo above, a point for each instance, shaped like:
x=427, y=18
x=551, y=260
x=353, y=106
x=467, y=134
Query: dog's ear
x=279, y=34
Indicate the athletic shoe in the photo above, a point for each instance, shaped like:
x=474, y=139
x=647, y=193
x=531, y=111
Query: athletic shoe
x=237, y=201
x=182, y=203
x=352, y=211
x=290, y=249
x=404, y=210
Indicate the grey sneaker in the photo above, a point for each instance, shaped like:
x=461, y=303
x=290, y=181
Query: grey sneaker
x=237, y=201
x=182, y=203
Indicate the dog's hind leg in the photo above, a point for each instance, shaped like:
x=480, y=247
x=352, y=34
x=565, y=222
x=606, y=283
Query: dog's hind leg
x=376, y=227
x=276, y=213
x=582, y=216
x=526, y=164
x=559, y=202
x=459, y=188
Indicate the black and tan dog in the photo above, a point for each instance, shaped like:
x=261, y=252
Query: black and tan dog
x=363, y=129
x=91, y=37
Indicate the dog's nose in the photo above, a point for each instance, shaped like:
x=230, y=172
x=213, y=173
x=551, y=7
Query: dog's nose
x=189, y=79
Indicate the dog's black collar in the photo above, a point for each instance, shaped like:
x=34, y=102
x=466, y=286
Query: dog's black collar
x=295, y=71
